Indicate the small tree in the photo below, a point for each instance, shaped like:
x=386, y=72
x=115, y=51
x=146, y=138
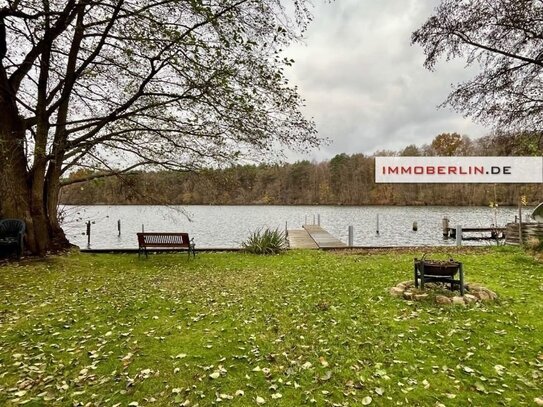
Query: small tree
x=120, y=84
x=504, y=38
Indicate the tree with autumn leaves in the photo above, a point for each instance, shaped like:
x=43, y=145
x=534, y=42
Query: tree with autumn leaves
x=114, y=85
x=504, y=39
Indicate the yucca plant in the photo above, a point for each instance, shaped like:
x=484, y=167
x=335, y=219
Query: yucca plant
x=265, y=241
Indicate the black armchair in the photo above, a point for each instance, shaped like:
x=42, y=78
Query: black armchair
x=12, y=234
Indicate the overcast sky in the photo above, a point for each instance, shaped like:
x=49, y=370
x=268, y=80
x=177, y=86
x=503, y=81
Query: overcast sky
x=364, y=83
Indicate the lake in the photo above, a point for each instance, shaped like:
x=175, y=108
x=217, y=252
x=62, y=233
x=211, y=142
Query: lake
x=227, y=226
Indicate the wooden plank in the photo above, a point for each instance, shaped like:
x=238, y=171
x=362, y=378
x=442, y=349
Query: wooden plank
x=529, y=230
x=453, y=230
x=300, y=239
x=322, y=237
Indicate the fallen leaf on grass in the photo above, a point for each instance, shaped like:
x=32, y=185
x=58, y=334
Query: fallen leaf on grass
x=499, y=369
x=327, y=376
x=480, y=387
x=323, y=361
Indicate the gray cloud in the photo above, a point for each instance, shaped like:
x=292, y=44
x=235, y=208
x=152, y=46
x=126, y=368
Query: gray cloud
x=364, y=83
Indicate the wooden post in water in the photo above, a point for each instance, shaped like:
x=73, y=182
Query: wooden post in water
x=313, y=219
x=351, y=236
x=377, y=228
x=415, y=226
x=459, y=235
x=119, y=227
x=142, y=228
x=88, y=233
x=319, y=219
x=305, y=222
x=286, y=229
x=445, y=224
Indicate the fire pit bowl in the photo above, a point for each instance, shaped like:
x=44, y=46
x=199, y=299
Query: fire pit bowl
x=438, y=267
x=441, y=271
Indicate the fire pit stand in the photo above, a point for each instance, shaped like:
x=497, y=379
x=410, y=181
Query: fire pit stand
x=439, y=271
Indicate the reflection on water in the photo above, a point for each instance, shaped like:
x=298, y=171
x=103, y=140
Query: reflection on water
x=228, y=226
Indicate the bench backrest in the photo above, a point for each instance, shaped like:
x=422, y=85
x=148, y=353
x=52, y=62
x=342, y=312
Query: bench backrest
x=11, y=227
x=148, y=239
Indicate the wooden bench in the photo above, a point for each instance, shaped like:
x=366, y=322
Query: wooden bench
x=165, y=240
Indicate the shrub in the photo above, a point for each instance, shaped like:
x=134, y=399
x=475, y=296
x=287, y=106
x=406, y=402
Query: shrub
x=533, y=243
x=265, y=241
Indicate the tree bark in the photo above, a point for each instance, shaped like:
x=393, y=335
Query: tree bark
x=21, y=196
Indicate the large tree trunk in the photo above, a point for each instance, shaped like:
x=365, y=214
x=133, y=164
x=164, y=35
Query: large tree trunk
x=24, y=195
x=52, y=193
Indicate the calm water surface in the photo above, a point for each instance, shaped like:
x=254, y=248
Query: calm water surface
x=228, y=226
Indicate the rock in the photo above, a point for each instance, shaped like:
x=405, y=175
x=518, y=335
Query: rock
x=443, y=300
x=470, y=299
x=408, y=295
x=419, y=297
x=492, y=294
x=457, y=300
x=406, y=284
x=481, y=295
x=396, y=291
x=473, y=286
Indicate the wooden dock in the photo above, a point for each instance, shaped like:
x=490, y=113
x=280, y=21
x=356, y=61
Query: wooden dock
x=312, y=237
x=494, y=233
x=300, y=239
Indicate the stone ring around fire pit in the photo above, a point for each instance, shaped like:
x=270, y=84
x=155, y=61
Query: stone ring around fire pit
x=439, y=271
x=475, y=293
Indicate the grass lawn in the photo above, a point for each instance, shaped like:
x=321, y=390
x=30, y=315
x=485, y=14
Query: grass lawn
x=303, y=328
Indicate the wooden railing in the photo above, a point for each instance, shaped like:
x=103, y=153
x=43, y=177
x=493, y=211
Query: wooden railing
x=528, y=229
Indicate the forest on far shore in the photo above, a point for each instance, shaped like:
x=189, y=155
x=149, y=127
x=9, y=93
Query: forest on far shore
x=343, y=180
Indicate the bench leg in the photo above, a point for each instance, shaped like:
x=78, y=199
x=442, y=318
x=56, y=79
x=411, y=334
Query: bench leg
x=191, y=249
x=142, y=250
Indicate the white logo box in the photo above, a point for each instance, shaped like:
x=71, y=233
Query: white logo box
x=453, y=170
